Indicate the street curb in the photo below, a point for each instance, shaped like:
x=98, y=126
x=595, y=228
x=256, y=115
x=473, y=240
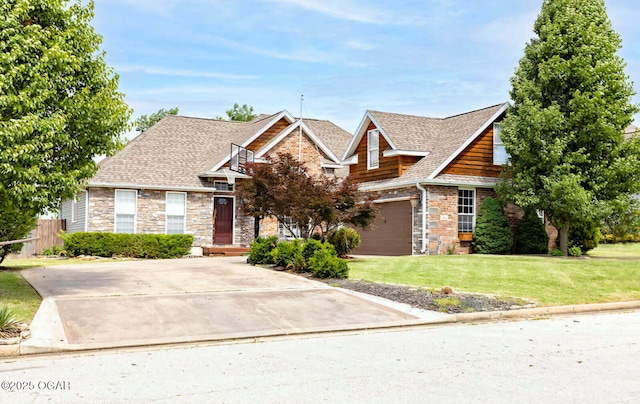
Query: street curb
x=546, y=311
x=15, y=350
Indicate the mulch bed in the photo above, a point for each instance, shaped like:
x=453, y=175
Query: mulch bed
x=431, y=300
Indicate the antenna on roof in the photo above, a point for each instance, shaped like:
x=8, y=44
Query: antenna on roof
x=300, y=136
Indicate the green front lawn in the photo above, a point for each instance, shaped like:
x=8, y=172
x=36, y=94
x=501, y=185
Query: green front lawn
x=18, y=295
x=548, y=280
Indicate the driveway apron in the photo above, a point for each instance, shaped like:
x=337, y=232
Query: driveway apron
x=106, y=305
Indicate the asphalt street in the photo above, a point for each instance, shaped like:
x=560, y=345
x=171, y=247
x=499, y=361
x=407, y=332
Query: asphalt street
x=578, y=359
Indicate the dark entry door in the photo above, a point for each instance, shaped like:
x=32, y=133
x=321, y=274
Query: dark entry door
x=223, y=221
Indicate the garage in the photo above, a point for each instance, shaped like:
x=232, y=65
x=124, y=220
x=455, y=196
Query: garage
x=391, y=231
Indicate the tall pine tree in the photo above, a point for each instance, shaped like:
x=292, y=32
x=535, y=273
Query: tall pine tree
x=564, y=131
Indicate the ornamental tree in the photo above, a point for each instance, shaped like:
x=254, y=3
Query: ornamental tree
x=564, y=131
x=59, y=104
x=284, y=188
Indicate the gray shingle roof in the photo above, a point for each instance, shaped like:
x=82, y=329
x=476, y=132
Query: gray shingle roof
x=333, y=136
x=174, y=151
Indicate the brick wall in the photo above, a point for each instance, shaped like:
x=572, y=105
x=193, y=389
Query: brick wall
x=443, y=219
x=310, y=154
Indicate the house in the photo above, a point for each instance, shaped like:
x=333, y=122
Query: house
x=179, y=176
x=429, y=177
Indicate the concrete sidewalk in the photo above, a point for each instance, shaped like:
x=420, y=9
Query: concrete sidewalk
x=135, y=303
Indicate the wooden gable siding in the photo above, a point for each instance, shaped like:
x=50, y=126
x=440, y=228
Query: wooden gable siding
x=268, y=135
x=390, y=167
x=477, y=159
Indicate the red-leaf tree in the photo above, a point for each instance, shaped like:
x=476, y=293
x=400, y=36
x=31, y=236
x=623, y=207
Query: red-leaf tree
x=283, y=187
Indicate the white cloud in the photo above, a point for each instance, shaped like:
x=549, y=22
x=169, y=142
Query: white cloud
x=512, y=31
x=352, y=11
x=359, y=45
x=177, y=72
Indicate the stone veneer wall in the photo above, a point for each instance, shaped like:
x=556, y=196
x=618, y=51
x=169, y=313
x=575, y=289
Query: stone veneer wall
x=150, y=218
x=101, y=216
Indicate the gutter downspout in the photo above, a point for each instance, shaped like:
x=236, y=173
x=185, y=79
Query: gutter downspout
x=424, y=217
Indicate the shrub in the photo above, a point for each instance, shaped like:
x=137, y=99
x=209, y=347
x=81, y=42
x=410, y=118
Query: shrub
x=288, y=254
x=574, y=251
x=325, y=263
x=556, y=252
x=310, y=247
x=531, y=235
x=585, y=235
x=7, y=319
x=53, y=250
x=344, y=240
x=492, y=234
x=128, y=245
x=260, y=250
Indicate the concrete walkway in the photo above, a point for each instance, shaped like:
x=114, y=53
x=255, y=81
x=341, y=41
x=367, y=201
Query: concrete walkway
x=106, y=305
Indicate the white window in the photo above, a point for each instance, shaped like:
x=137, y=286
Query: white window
x=373, y=147
x=466, y=210
x=500, y=155
x=223, y=186
x=176, y=210
x=126, y=211
x=291, y=229
x=74, y=210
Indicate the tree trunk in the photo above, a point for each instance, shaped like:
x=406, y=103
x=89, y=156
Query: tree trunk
x=564, y=239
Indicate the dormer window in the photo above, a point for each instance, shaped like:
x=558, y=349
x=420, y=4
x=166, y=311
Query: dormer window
x=373, y=149
x=500, y=155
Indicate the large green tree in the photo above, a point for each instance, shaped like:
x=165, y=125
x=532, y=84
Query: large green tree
x=242, y=113
x=564, y=131
x=59, y=105
x=144, y=122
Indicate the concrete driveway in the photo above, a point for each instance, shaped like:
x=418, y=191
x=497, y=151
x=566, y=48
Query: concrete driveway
x=103, y=305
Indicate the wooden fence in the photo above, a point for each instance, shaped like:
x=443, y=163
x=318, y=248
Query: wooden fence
x=47, y=236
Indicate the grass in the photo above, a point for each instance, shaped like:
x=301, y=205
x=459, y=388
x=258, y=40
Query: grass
x=616, y=250
x=17, y=294
x=547, y=280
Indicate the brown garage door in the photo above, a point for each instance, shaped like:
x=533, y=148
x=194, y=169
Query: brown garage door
x=391, y=231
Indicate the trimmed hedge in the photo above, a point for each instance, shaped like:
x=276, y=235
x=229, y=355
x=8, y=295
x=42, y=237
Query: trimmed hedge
x=128, y=245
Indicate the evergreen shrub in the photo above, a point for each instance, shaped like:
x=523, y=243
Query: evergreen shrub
x=128, y=245
x=492, y=234
x=344, y=240
x=531, y=235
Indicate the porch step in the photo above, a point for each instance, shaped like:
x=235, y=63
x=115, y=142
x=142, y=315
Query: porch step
x=227, y=251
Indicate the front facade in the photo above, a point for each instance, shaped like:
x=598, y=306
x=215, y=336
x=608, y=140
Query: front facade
x=429, y=177
x=179, y=177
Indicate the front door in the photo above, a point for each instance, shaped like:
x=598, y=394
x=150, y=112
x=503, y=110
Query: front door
x=223, y=221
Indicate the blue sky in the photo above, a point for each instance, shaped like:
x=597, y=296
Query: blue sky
x=424, y=57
